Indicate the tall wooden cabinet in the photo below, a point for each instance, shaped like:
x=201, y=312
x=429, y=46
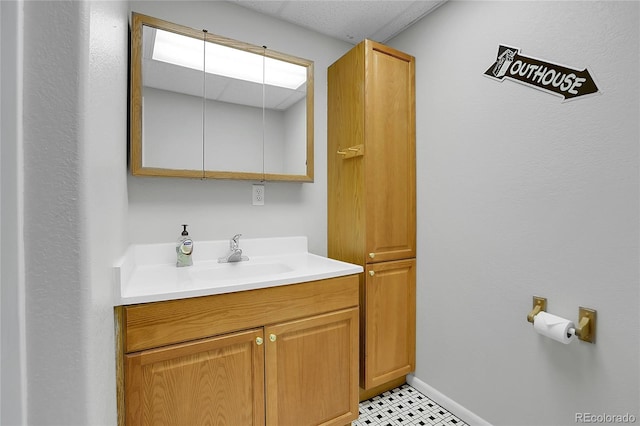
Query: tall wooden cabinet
x=372, y=199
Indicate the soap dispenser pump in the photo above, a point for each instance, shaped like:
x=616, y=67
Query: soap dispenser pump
x=184, y=249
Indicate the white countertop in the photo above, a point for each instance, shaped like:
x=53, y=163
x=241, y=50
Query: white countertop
x=148, y=273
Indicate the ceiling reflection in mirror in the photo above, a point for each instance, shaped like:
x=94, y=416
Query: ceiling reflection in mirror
x=216, y=107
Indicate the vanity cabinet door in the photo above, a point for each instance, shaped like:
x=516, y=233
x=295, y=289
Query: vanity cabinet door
x=213, y=381
x=389, y=321
x=312, y=370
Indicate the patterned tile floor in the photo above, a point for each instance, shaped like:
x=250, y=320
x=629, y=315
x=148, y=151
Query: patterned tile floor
x=404, y=406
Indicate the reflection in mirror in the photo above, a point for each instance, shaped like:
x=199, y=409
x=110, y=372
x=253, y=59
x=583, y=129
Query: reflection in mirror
x=172, y=119
x=205, y=111
x=268, y=113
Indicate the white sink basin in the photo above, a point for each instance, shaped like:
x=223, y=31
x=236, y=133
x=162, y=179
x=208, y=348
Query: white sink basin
x=147, y=272
x=238, y=271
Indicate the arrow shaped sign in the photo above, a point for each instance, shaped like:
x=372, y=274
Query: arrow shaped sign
x=553, y=78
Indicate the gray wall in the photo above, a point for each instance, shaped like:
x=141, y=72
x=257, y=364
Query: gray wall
x=520, y=194
x=173, y=134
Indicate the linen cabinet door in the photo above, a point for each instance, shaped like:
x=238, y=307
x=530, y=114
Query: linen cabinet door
x=312, y=370
x=390, y=322
x=214, y=381
x=389, y=155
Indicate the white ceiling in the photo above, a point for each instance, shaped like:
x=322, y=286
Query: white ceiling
x=348, y=20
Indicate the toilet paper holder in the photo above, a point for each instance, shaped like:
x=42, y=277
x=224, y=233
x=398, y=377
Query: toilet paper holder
x=586, y=328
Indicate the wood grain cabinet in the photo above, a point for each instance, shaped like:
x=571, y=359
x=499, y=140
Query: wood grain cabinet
x=389, y=318
x=372, y=199
x=311, y=370
x=218, y=380
x=291, y=358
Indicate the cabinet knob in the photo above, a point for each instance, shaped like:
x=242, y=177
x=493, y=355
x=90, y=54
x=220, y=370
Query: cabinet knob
x=272, y=337
x=372, y=273
x=258, y=341
x=372, y=255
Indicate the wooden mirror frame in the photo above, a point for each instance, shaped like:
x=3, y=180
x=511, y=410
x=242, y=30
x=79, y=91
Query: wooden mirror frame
x=135, y=105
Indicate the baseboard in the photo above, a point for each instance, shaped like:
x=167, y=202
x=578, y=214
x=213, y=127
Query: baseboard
x=458, y=410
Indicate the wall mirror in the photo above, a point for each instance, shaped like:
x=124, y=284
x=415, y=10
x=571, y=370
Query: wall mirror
x=206, y=106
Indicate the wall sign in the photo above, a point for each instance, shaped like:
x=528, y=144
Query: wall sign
x=552, y=78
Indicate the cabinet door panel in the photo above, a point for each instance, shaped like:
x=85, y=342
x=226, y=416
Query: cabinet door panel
x=389, y=155
x=390, y=321
x=216, y=381
x=312, y=370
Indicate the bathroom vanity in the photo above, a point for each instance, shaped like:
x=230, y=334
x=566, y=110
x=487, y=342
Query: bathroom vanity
x=280, y=353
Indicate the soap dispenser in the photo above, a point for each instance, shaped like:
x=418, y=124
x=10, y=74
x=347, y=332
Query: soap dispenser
x=184, y=248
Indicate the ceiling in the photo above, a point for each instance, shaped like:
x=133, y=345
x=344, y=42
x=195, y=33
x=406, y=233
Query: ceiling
x=348, y=20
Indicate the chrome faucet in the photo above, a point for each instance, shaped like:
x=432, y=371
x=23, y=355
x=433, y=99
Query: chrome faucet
x=235, y=252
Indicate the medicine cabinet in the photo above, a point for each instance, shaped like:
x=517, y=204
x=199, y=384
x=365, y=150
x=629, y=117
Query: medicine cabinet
x=207, y=106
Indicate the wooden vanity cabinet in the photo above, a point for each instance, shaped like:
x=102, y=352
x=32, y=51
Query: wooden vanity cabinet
x=278, y=356
x=218, y=380
x=372, y=199
x=311, y=370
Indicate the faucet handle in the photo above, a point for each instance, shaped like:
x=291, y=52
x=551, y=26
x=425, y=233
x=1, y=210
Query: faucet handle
x=235, y=241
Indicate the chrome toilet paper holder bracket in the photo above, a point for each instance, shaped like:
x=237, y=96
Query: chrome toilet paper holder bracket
x=586, y=328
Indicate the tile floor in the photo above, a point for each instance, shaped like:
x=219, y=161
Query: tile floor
x=404, y=406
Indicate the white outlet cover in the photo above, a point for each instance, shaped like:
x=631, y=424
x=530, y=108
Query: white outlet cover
x=257, y=195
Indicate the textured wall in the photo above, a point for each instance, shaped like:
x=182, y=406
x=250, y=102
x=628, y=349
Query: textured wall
x=520, y=194
x=75, y=91
x=103, y=195
x=12, y=349
x=54, y=223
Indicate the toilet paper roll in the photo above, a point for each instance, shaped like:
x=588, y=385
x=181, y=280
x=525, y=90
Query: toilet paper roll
x=554, y=327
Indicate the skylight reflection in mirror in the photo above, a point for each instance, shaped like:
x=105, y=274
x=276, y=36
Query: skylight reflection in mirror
x=226, y=61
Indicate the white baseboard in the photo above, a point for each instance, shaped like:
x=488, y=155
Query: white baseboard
x=458, y=410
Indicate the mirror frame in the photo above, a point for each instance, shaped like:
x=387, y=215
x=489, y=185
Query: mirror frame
x=135, y=105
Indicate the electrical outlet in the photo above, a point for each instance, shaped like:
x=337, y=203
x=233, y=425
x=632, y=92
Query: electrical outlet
x=258, y=195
